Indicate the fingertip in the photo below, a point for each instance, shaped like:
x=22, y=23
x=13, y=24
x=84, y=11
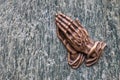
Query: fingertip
x=56, y=15
x=62, y=14
x=77, y=19
x=59, y=13
x=57, y=23
x=56, y=19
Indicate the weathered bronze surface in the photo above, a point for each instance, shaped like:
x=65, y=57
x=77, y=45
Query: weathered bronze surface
x=76, y=39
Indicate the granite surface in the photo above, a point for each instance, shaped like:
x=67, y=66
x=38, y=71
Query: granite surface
x=30, y=49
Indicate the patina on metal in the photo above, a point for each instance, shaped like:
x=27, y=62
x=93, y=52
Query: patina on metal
x=77, y=41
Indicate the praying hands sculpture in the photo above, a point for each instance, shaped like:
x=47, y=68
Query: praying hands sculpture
x=77, y=42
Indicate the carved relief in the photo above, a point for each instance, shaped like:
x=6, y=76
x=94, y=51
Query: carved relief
x=76, y=39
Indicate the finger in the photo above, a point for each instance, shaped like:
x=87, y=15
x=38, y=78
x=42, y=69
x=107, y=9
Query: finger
x=83, y=58
x=75, y=27
x=72, y=62
x=99, y=51
x=71, y=28
x=73, y=38
x=98, y=48
x=74, y=45
x=74, y=32
x=91, y=63
x=79, y=62
x=78, y=22
x=70, y=35
x=64, y=20
x=67, y=20
x=66, y=17
x=77, y=40
x=61, y=28
x=64, y=41
x=85, y=32
x=80, y=26
x=58, y=34
x=75, y=24
x=68, y=24
x=70, y=49
x=75, y=65
x=92, y=50
x=77, y=47
x=90, y=59
x=65, y=29
x=61, y=37
x=103, y=45
x=63, y=25
x=67, y=33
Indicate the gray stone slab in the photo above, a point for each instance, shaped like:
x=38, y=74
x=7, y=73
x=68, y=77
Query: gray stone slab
x=30, y=49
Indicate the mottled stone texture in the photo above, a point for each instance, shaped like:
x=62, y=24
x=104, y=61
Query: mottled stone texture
x=30, y=49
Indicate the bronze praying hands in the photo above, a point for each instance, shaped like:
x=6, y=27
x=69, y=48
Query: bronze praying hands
x=77, y=42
